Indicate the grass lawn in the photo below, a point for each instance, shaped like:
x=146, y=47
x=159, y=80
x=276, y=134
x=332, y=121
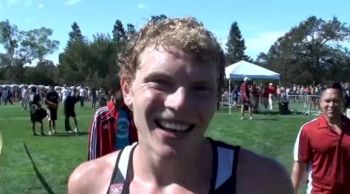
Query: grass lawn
x=39, y=164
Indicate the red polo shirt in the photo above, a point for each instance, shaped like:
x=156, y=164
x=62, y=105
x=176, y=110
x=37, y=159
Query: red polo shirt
x=328, y=153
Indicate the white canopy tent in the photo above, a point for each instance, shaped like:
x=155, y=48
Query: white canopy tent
x=241, y=69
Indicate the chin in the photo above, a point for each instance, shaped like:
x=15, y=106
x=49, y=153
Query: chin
x=168, y=152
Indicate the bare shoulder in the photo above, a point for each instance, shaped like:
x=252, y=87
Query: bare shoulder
x=259, y=174
x=92, y=176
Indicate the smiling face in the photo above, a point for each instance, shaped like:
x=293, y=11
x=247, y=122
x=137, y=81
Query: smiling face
x=173, y=99
x=331, y=103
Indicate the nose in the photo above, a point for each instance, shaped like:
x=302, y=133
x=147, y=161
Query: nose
x=176, y=100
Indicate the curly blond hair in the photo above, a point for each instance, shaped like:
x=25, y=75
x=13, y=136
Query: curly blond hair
x=186, y=34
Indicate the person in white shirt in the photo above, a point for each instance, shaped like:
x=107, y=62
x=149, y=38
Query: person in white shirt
x=25, y=98
x=65, y=93
x=82, y=95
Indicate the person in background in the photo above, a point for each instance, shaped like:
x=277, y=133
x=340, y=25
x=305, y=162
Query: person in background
x=112, y=128
x=347, y=99
x=24, y=98
x=51, y=100
x=322, y=148
x=8, y=96
x=245, y=99
x=82, y=95
x=65, y=93
x=37, y=113
x=271, y=93
x=102, y=98
x=69, y=111
x=94, y=94
x=170, y=80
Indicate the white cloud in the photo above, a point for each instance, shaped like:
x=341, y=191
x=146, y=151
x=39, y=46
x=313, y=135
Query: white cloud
x=71, y=2
x=262, y=42
x=141, y=6
x=40, y=5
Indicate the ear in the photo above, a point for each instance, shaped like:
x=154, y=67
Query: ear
x=125, y=85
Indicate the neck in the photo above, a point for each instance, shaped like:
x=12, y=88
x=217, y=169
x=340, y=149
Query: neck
x=335, y=121
x=187, y=168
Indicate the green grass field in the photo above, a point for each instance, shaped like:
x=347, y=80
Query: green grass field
x=36, y=164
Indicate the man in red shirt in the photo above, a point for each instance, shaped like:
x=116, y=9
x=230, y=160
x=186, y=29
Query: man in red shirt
x=323, y=148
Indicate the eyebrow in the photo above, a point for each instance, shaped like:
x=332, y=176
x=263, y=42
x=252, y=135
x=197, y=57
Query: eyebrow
x=161, y=75
x=166, y=76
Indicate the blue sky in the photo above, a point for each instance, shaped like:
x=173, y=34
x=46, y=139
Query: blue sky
x=261, y=22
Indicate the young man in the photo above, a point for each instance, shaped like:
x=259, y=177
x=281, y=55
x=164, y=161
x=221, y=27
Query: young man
x=37, y=113
x=245, y=98
x=69, y=111
x=51, y=101
x=323, y=148
x=169, y=79
x=112, y=128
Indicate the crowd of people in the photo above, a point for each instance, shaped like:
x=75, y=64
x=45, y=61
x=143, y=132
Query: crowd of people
x=256, y=96
x=20, y=93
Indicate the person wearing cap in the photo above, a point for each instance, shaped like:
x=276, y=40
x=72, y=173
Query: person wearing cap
x=246, y=103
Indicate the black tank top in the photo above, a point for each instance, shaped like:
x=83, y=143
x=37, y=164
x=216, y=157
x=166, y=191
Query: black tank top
x=223, y=181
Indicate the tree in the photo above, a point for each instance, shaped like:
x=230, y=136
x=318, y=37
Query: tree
x=308, y=52
x=10, y=37
x=118, y=31
x=36, y=45
x=75, y=34
x=158, y=17
x=235, y=45
x=23, y=47
x=131, y=32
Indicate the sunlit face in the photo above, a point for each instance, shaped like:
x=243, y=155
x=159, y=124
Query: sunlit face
x=173, y=100
x=331, y=103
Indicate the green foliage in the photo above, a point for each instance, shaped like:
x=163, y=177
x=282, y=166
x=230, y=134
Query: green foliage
x=235, y=45
x=118, y=31
x=93, y=62
x=158, y=17
x=310, y=53
x=21, y=48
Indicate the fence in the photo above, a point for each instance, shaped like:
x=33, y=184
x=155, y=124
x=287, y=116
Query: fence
x=303, y=104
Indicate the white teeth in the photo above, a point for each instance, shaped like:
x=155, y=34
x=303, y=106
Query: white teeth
x=174, y=126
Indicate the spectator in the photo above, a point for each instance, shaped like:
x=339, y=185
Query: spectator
x=111, y=129
x=347, y=99
x=322, y=147
x=271, y=92
x=37, y=113
x=94, y=94
x=82, y=94
x=245, y=99
x=51, y=101
x=69, y=111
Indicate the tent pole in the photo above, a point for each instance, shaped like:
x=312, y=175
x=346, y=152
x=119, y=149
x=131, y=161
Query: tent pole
x=229, y=95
